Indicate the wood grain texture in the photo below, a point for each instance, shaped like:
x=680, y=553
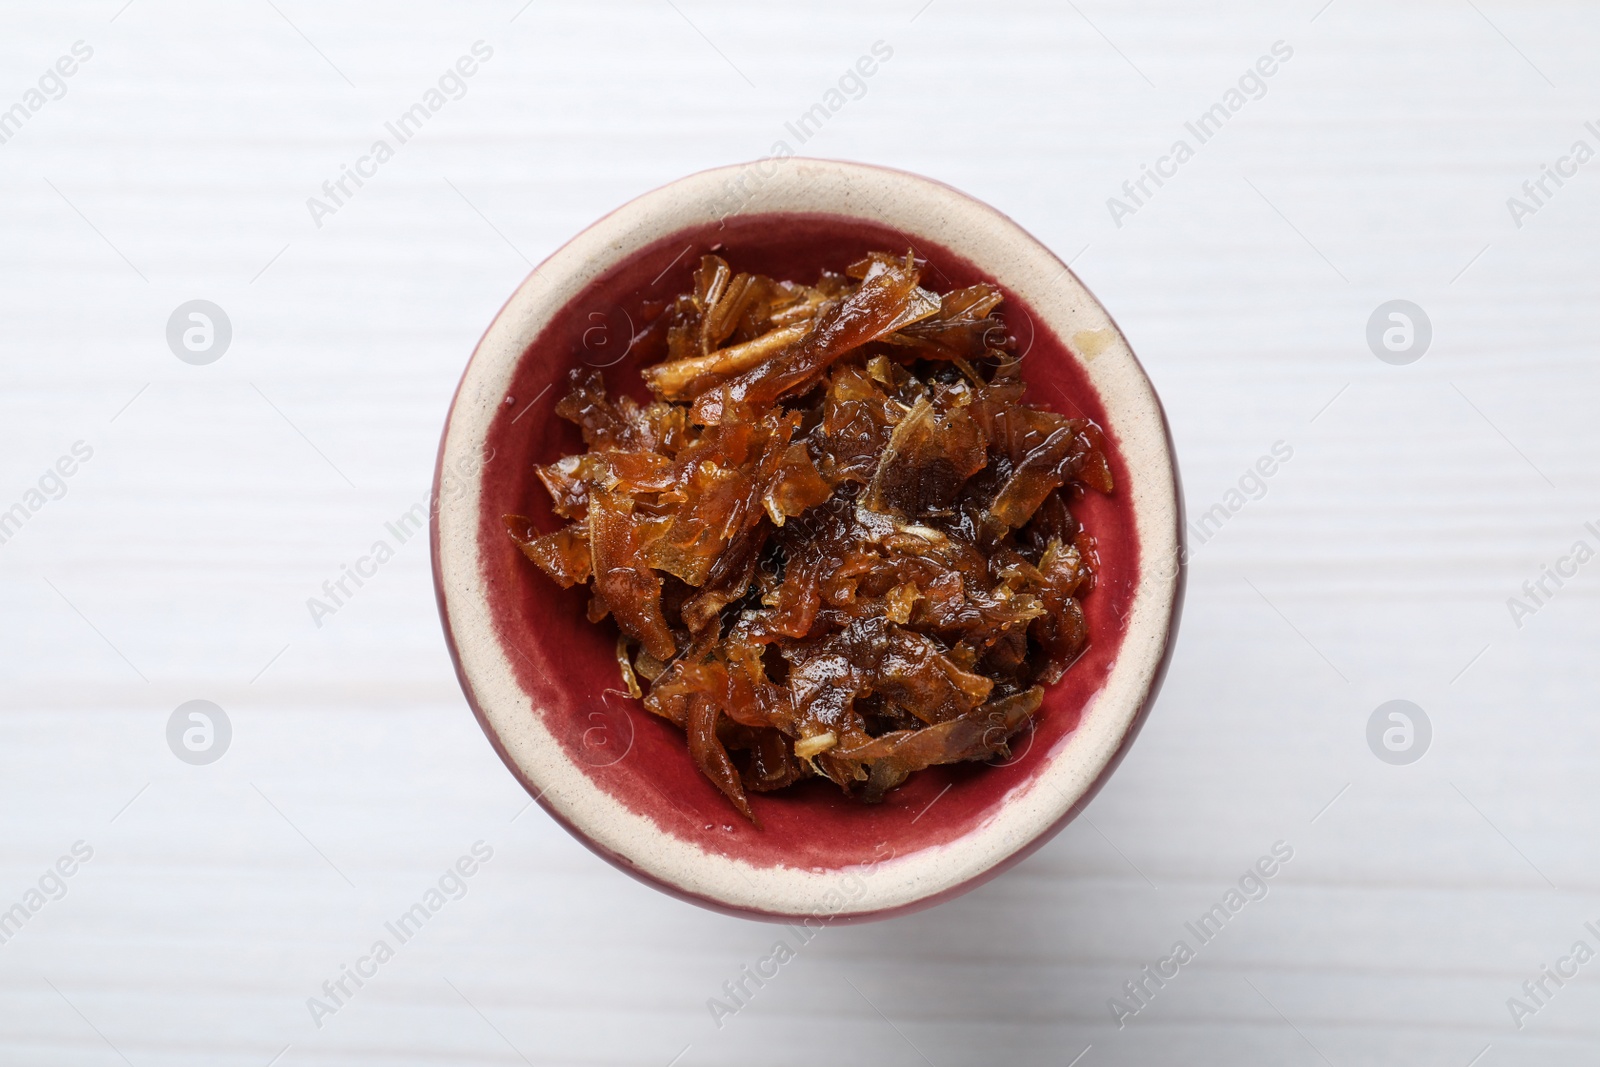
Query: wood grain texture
x=1375, y=165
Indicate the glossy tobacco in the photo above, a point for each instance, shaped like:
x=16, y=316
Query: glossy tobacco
x=837, y=542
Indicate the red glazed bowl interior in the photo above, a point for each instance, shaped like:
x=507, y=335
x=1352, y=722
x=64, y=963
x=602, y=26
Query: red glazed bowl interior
x=570, y=663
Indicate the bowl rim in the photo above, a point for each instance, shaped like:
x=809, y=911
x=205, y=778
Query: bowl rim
x=706, y=879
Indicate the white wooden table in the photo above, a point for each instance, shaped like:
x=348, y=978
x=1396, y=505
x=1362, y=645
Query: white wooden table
x=1375, y=165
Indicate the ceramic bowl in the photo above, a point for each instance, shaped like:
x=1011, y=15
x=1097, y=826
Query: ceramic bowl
x=543, y=681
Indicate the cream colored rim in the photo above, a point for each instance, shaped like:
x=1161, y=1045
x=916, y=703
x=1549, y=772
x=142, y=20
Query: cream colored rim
x=999, y=248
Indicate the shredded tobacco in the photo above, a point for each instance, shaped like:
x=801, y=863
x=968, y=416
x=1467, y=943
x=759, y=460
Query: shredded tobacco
x=837, y=542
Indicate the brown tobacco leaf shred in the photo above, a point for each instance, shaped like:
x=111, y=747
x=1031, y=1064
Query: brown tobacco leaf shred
x=838, y=542
x=629, y=678
x=563, y=555
x=886, y=300
x=629, y=589
x=706, y=749
x=977, y=735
